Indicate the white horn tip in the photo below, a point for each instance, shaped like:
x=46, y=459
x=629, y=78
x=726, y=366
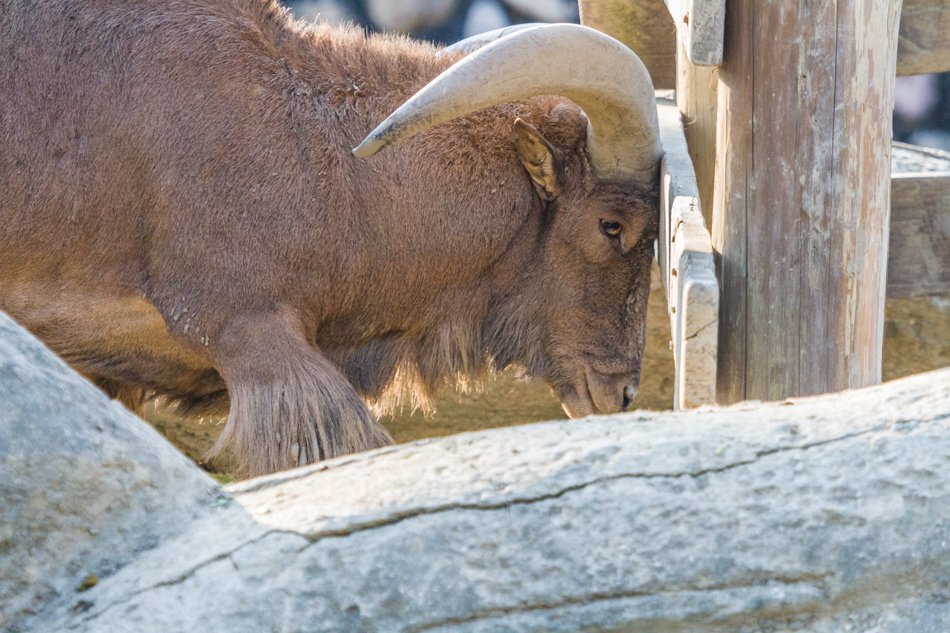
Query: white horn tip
x=368, y=147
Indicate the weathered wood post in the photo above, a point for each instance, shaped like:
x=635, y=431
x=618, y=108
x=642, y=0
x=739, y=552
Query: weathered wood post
x=924, y=42
x=699, y=28
x=802, y=194
x=696, y=98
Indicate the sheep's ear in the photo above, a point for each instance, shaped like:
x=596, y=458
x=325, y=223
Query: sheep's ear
x=537, y=156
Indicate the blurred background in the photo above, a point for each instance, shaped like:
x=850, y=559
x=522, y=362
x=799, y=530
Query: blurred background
x=922, y=110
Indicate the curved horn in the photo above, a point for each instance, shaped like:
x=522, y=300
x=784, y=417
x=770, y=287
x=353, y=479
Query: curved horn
x=471, y=44
x=601, y=75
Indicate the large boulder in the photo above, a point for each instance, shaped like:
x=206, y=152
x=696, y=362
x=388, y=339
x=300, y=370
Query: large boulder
x=821, y=514
x=85, y=486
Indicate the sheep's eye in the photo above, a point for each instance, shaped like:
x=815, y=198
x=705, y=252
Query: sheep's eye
x=611, y=229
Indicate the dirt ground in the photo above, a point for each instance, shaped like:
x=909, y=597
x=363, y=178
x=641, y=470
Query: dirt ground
x=917, y=339
x=916, y=336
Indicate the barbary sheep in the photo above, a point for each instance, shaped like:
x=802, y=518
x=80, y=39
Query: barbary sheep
x=182, y=213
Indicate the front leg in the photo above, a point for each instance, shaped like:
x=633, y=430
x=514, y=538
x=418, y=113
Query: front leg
x=289, y=405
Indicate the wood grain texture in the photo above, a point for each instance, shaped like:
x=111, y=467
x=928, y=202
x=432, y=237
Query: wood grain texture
x=919, y=250
x=924, y=45
x=700, y=26
x=802, y=194
x=644, y=26
x=687, y=268
x=696, y=97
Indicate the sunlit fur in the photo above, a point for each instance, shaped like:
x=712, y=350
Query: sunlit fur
x=181, y=217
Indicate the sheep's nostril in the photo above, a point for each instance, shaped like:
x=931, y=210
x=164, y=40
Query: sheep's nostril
x=629, y=393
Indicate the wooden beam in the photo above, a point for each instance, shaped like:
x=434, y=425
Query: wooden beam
x=696, y=98
x=802, y=194
x=700, y=26
x=644, y=26
x=924, y=45
x=686, y=265
x=919, y=250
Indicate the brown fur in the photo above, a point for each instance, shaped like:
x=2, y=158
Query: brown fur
x=181, y=216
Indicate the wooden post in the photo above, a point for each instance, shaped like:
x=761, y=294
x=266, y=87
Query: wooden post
x=645, y=26
x=924, y=44
x=802, y=194
x=699, y=24
x=919, y=249
x=687, y=267
x=696, y=99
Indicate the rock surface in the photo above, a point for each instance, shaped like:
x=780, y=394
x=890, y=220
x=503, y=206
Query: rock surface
x=84, y=484
x=822, y=514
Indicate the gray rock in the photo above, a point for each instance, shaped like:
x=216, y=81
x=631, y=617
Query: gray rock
x=85, y=486
x=907, y=158
x=823, y=514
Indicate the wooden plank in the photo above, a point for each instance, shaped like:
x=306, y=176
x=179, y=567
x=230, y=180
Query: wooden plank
x=696, y=96
x=919, y=248
x=687, y=268
x=729, y=214
x=644, y=26
x=924, y=44
x=802, y=194
x=700, y=26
